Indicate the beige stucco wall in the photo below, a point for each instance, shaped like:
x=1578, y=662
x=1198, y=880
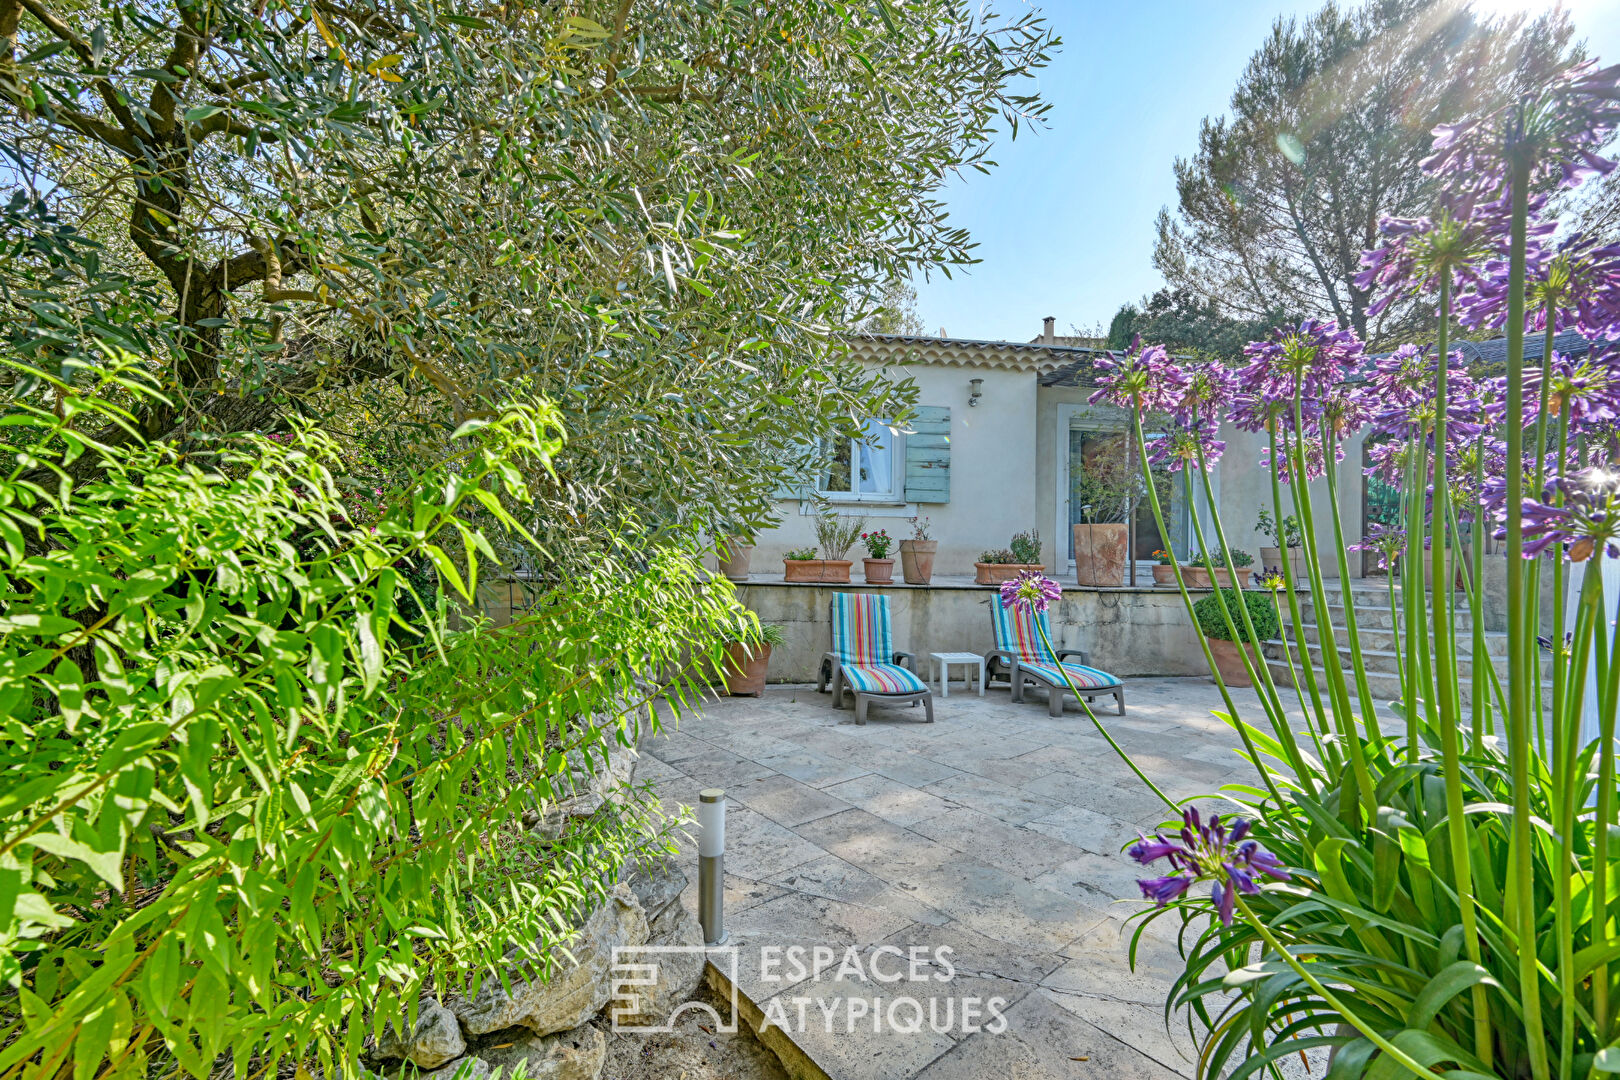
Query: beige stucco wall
x=993, y=449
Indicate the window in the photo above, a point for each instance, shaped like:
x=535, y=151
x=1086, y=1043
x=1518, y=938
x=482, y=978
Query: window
x=864, y=469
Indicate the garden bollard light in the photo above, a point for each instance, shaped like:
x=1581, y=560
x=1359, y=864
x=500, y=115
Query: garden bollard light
x=711, y=865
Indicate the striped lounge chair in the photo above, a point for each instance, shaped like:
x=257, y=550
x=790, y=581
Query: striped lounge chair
x=863, y=659
x=1021, y=657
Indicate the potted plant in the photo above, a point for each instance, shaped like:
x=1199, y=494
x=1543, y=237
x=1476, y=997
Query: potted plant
x=735, y=554
x=1287, y=537
x=1101, y=543
x=878, y=566
x=1023, y=553
x=1195, y=572
x=917, y=554
x=836, y=534
x=803, y=564
x=1164, y=572
x=1222, y=648
x=1221, y=579
x=746, y=655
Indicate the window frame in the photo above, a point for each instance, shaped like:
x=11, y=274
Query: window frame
x=895, y=496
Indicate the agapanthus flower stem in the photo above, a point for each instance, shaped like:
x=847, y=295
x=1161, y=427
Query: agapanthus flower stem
x=1254, y=663
x=1608, y=691
x=1187, y=605
x=1352, y=630
x=1446, y=683
x=1521, y=878
x=1292, y=587
x=1337, y=689
x=1344, y=1013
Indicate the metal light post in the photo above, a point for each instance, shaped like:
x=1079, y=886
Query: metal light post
x=711, y=865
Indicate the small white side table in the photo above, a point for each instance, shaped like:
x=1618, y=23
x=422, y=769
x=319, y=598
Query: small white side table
x=942, y=662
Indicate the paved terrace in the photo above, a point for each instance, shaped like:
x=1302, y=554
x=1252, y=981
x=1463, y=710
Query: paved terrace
x=996, y=831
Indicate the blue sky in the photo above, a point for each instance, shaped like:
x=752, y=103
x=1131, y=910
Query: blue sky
x=1065, y=225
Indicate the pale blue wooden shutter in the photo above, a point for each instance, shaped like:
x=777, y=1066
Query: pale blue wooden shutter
x=928, y=455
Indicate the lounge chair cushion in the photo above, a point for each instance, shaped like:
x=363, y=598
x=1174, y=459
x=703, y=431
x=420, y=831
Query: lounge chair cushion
x=860, y=630
x=882, y=679
x=1017, y=633
x=1085, y=678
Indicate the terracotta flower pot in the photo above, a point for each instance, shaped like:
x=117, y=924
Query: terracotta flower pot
x=1099, y=554
x=735, y=565
x=834, y=571
x=743, y=669
x=879, y=571
x=917, y=560
x=985, y=573
x=1196, y=577
x=1229, y=662
x=1219, y=577
x=1164, y=575
x=1272, y=559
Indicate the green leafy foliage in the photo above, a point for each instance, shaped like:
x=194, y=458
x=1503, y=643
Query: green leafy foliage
x=250, y=809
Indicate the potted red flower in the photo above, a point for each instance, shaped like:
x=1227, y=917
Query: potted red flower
x=879, y=567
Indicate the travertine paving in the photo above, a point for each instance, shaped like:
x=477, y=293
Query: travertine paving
x=976, y=858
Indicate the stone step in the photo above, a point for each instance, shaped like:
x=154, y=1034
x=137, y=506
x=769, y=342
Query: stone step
x=1384, y=687
x=1496, y=642
x=1379, y=618
x=1387, y=661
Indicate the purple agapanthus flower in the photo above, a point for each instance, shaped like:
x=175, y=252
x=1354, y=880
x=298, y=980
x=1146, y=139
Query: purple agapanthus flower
x=1402, y=376
x=1577, y=283
x=1588, y=386
x=1226, y=858
x=1560, y=127
x=1418, y=253
x=1587, y=521
x=1315, y=460
x=1031, y=589
x=1180, y=448
x=1307, y=359
x=1146, y=379
x=1206, y=394
x=1387, y=541
x=1257, y=412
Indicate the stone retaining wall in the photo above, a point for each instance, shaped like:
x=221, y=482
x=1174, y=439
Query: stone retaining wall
x=1143, y=631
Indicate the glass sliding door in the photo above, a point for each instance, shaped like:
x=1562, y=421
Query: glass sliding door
x=1101, y=482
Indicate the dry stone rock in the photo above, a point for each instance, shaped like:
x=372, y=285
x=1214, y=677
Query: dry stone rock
x=435, y=1040
x=564, y=1055
x=657, y=883
x=678, y=972
x=577, y=989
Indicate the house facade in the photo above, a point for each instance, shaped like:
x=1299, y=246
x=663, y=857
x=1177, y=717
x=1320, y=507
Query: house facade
x=1001, y=445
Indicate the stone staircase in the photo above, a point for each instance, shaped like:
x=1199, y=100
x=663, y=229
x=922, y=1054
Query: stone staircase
x=1373, y=623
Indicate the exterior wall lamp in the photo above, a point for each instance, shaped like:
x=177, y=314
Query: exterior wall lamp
x=976, y=391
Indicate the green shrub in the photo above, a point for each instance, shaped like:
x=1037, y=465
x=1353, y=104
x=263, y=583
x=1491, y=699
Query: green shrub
x=1261, y=611
x=1002, y=557
x=804, y=554
x=1026, y=548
